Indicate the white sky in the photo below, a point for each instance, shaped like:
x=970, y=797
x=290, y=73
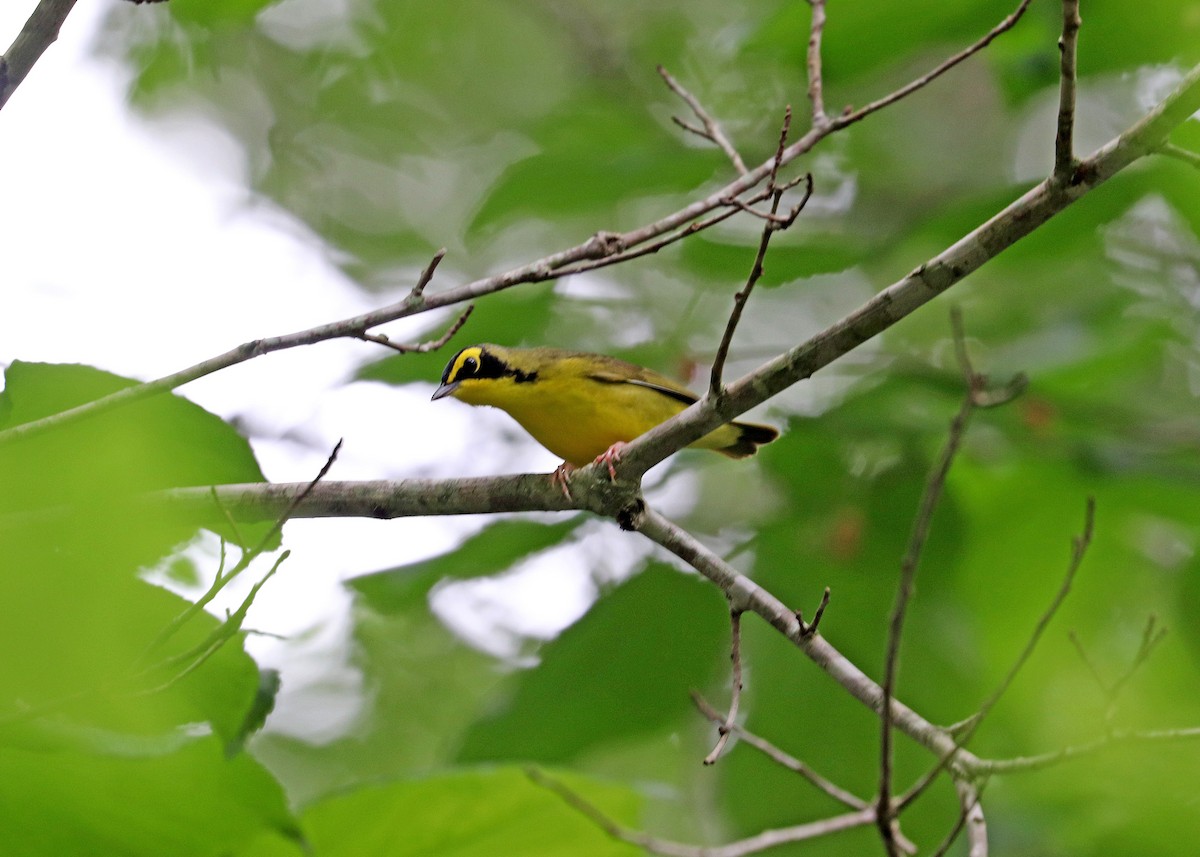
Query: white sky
x=125, y=249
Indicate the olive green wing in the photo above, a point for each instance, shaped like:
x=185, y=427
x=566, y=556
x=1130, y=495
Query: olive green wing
x=628, y=373
x=736, y=440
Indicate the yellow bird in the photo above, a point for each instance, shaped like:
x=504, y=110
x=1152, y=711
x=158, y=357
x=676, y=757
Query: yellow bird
x=582, y=407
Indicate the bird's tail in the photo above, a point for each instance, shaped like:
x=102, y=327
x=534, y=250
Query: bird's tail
x=749, y=438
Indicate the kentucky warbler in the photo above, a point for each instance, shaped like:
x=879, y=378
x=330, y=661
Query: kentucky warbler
x=582, y=407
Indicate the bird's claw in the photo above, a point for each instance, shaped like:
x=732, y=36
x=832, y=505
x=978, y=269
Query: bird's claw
x=560, y=477
x=610, y=457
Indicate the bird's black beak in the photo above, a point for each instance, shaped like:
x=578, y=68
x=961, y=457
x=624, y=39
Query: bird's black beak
x=444, y=390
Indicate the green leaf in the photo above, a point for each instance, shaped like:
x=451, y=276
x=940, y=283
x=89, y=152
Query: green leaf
x=190, y=802
x=75, y=532
x=103, y=462
x=640, y=160
x=630, y=664
x=467, y=814
x=215, y=13
x=496, y=548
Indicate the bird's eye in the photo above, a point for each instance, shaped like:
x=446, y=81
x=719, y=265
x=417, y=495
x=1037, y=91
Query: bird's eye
x=470, y=365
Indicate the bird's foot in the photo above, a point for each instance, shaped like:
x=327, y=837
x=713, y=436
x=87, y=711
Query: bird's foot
x=561, y=476
x=610, y=457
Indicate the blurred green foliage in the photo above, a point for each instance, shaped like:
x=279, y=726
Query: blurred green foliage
x=507, y=130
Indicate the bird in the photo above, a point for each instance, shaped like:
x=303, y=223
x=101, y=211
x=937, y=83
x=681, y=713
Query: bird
x=583, y=407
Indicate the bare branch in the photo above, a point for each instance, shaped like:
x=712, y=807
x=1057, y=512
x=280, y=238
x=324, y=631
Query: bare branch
x=1180, y=154
x=421, y=347
x=751, y=845
x=40, y=31
x=965, y=730
x=735, y=695
x=381, y=498
x=756, y=270
x=971, y=818
x=1022, y=764
x=1151, y=637
x=932, y=494
x=816, y=86
x=924, y=80
x=781, y=757
x=813, y=626
x=1079, y=549
x=741, y=590
x=1064, y=146
x=712, y=129
x=427, y=275
x=248, y=555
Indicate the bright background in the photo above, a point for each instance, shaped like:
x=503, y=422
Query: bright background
x=183, y=177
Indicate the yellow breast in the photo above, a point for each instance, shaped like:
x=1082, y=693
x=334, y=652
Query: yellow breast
x=578, y=417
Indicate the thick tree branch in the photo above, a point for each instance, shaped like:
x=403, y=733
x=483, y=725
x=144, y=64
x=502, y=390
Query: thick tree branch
x=40, y=31
x=377, y=499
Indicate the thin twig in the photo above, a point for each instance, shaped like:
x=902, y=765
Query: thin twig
x=773, y=223
x=781, y=757
x=966, y=729
x=248, y=556
x=230, y=522
x=1180, y=154
x=756, y=270
x=1151, y=637
x=970, y=817
x=816, y=86
x=934, y=487
x=427, y=275
x=712, y=129
x=812, y=627
x=751, y=845
x=741, y=590
x=421, y=347
x=1023, y=764
x=769, y=216
x=1087, y=661
x=197, y=656
x=40, y=31
x=1064, y=146
x=735, y=695
x=1079, y=548
x=852, y=116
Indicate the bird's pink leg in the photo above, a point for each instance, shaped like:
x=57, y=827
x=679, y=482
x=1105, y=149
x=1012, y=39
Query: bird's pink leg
x=559, y=477
x=610, y=457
